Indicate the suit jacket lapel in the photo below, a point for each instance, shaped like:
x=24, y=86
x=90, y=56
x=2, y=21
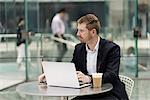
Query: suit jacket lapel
x=99, y=55
x=84, y=54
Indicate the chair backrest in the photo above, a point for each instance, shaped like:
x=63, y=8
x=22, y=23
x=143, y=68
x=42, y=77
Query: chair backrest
x=129, y=84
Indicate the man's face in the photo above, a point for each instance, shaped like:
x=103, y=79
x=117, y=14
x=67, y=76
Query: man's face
x=83, y=34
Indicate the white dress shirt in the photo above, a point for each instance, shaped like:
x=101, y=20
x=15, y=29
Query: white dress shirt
x=57, y=25
x=92, y=58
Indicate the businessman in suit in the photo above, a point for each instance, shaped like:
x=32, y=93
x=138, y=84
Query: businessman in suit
x=95, y=54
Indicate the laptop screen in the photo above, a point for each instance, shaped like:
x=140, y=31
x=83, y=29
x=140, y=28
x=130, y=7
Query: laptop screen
x=60, y=74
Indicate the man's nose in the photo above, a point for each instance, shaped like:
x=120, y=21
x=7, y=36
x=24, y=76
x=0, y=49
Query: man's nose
x=78, y=33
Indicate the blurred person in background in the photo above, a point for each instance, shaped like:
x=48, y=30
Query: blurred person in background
x=58, y=30
x=130, y=61
x=2, y=31
x=22, y=35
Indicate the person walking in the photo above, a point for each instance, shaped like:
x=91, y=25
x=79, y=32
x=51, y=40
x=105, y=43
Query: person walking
x=58, y=30
x=20, y=42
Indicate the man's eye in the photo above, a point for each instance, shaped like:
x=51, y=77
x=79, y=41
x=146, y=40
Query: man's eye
x=81, y=30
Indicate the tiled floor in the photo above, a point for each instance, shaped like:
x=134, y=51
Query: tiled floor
x=141, y=90
x=6, y=83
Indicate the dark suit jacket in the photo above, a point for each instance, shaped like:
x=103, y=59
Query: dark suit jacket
x=108, y=62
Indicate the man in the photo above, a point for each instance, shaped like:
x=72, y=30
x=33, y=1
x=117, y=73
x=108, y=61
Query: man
x=95, y=54
x=58, y=29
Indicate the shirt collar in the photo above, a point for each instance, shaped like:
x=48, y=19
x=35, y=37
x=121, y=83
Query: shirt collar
x=96, y=47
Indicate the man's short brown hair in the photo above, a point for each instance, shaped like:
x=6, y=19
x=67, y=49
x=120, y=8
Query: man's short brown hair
x=91, y=22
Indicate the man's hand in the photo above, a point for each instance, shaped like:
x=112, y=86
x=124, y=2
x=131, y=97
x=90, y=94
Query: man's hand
x=41, y=78
x=83, y=78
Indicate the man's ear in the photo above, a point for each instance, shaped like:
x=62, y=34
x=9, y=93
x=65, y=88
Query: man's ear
x=94, y=31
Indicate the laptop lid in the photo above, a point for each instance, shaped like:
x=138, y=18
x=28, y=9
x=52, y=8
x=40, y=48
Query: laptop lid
x=62, y=74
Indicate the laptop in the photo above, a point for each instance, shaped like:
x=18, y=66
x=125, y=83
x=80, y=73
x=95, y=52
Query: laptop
x=61, y=74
